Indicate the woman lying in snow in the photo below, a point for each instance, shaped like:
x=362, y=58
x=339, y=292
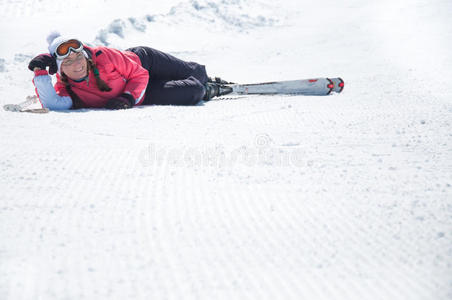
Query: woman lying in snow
x=102, y=77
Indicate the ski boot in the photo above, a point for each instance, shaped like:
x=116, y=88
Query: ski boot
x=216, y=90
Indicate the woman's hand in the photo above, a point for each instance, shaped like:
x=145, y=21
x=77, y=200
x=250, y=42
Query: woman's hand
x=43, y=61
x=123, y=101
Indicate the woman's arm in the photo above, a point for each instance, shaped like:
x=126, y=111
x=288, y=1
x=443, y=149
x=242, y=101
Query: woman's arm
x=47, y=94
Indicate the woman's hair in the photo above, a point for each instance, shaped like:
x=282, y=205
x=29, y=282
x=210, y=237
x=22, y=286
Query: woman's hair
x=101, y=85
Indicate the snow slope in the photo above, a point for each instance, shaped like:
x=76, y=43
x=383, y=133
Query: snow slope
x=283, y=197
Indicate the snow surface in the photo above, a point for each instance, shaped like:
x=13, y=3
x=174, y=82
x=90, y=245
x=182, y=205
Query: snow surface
x=285, y=197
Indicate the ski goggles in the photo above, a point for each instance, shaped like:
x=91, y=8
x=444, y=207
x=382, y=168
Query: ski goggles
x=63, y=50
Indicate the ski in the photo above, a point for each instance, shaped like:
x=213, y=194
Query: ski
x=36, y=110
x=316, y=87
x=22, y=107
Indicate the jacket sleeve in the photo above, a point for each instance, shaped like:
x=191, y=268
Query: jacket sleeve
x=136, y=76
x=47, y=94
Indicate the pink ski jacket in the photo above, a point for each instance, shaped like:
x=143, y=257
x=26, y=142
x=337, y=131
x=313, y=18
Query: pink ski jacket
x=121, y=70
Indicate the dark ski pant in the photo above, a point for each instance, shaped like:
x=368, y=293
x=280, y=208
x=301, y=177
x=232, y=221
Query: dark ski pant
x=172, y=81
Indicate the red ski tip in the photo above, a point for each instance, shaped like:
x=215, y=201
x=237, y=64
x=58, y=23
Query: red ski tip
x=330, y=86
x=341, y=84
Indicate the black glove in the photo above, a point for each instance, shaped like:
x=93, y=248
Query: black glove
x=43, y=61
x=123, y=101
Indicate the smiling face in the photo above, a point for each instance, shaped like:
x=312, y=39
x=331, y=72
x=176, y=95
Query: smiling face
x=75, y=66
